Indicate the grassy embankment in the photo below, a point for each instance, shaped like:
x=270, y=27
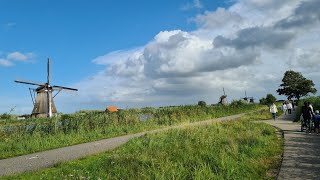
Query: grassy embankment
x=42, y=134
x=228, y=150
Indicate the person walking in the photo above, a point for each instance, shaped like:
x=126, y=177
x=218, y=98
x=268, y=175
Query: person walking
x=289, y=107
x=307, y=115
x=284, y=108
x=293, y=105
x=316, y=120
x=311, y=107
x=274, y=110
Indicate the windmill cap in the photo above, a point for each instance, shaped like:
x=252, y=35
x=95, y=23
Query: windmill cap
x=317, y=111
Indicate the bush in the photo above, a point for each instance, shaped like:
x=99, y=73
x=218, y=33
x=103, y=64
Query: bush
x=5, y=116
x=237, y=103
x=268, y=100
x=202, y=103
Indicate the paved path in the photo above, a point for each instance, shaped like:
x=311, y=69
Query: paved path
x=49, y=158
x=301, y=158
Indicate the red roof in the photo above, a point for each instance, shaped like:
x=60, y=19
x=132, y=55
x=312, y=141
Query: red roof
x=112, y=109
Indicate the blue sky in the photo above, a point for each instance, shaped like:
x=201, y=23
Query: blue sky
x=113, y=51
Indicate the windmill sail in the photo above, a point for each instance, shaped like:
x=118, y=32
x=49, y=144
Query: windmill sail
x=44, y=105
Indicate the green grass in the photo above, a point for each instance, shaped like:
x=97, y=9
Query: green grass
x=227, y=150
x=261, y=114
x=35, y=135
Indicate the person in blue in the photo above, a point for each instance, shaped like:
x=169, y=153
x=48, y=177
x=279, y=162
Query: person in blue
x=316, y=120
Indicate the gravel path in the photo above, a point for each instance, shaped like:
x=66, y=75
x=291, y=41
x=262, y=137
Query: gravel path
x=301, y=158
x=36, y=161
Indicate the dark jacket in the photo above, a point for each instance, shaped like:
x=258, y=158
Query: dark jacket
x=306, y=112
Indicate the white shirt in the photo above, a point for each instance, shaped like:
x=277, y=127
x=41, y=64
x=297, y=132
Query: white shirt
x=289, y=106
x=284, y=107
x=273, y=108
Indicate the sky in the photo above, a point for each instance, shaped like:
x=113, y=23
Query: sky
x=142, y=53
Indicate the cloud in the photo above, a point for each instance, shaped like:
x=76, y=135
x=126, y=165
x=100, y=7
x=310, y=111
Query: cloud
x=196, y=4
x=6, y=63
x=8, y=58
x=256, y=36
x=245, y=47
x=306, y=14
x=305, y=59
x=221, y=18
x=18, y=56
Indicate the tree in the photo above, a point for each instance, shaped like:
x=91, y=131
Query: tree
x=202, y=103
x=268, y=100
x=294, y=85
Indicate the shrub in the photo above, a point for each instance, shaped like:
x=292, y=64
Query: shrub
x=202, y=103
x=269, y=99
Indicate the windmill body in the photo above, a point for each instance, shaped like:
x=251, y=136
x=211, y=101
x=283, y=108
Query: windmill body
x=43, y=104
x=41, y=108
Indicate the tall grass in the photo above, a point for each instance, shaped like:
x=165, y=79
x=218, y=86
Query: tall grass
x=228, y=150
x=41, y=134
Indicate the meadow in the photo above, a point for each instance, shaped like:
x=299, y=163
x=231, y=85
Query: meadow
x=33, y=135
x=227, y=150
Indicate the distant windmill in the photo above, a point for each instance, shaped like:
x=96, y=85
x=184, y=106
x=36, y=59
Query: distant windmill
x=43, y=103
x=248, y=99
x=223, y=98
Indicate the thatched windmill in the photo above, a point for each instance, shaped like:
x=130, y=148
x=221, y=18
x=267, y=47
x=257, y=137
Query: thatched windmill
x=43, y=102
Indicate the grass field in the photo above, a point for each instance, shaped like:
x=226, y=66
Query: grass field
x=228, y=150
x=24, y=137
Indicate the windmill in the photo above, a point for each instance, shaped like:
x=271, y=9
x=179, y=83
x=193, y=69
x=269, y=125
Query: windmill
x=223, y=98
x=248, y=99
x=43, y=105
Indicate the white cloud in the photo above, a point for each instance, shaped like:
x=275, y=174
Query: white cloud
x=18, y=56
x=246, y=47
x=6, y=63
x=196, y=4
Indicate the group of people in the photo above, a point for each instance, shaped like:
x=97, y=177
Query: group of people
x=308, y=116
x=287, y=106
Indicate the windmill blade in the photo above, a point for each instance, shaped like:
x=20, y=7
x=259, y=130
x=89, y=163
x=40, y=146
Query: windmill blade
x=31, y=83
x=62, y=87
x=48, y=71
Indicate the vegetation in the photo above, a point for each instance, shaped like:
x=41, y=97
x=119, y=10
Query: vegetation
x=228, y=150
x=202, y=103
x=295, y=85
x=268, y=100
x=24, y=137
x=315, y=101
x=262, y=114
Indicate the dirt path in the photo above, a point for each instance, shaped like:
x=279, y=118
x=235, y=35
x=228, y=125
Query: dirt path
x=36, y=161
x=301, y=158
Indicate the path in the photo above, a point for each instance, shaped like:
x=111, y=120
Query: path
x=36, y=161
x=301, y=158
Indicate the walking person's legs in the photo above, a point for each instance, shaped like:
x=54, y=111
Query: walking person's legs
x=274, y=115
x=308, y=126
